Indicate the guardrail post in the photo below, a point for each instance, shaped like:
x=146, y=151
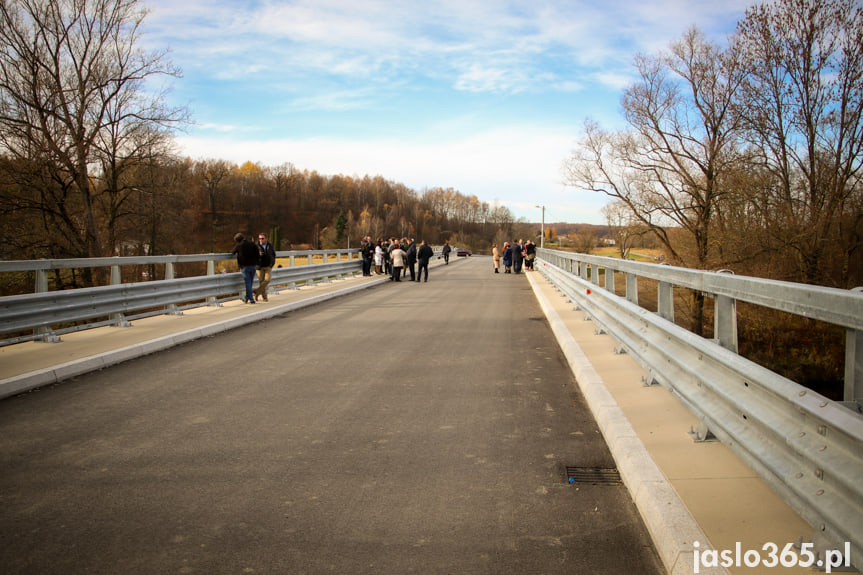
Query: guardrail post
x=44, y=333
x=631, y=287
x=854, y=367
x=171, y=308
x=41, y=281
x=725, y=319
x=665, y=306
x=118, y=318
x=609, y=279
x=853, y=394
x=291, y=264
x=211, y=271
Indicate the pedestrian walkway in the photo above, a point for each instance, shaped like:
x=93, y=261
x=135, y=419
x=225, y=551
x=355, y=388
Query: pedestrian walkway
x=34, y=364
x=687, y=492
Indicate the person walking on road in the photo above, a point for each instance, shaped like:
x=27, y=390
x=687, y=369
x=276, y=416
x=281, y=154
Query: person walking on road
x=266, y=261
x=247, y=260
x=424, y=254
x=507, y=258
x=495, y=257
x=445, y=251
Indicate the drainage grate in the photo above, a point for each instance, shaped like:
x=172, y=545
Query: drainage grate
x=593, y=475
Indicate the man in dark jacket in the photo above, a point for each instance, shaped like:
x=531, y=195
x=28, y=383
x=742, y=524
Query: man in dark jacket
x=247, y=261
x=411, y=249
x=424, y=254
x=517, y=256
x=367, y=250
x=266, y=261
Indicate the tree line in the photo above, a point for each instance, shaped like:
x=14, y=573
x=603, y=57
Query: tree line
x=194, y=206
x=179, y=205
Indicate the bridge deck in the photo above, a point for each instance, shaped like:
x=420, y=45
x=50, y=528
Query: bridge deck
x=410, y=427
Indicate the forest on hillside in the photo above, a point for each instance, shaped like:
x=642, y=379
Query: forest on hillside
x=171, y=206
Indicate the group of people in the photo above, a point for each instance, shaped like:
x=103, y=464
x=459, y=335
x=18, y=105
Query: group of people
x=393, y=257
x=515, y=255
x=255, y=258
x=396, y=258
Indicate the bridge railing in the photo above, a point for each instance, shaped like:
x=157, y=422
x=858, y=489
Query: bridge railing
x=45, y=315
x=808, y=448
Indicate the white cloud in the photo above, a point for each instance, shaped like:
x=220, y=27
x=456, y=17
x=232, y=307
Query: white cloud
x=334, y=101
x=615, y=80
x=483, y=79
x=222, y=128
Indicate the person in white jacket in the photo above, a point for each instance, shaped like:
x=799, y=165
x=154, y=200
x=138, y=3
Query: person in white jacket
x=398, y=256
x=379, y=258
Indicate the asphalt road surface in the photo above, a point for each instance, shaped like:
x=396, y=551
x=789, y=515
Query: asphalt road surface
x=410, y=428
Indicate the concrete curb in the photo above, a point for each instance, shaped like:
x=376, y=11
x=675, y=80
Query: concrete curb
x=671, y=525
x=43, y=377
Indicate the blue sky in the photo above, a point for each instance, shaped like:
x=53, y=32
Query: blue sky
x=484, y=96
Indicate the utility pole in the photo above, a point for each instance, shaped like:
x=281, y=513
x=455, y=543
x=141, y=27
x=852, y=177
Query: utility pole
x=542, y=237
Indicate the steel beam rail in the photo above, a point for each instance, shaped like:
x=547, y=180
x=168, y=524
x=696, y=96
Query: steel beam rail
x=822, y=303
x=42, y=310
x=81, y=263
x=808, y=448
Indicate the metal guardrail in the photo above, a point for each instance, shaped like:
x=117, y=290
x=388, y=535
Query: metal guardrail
x=830, y=305
x=120, y=303
x=808, y=448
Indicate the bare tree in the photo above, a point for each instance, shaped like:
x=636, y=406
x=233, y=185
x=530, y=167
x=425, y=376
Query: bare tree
x=803, y=103
x=668, y=167
x=623, y=225
x=212, y=173
x=74, y=92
